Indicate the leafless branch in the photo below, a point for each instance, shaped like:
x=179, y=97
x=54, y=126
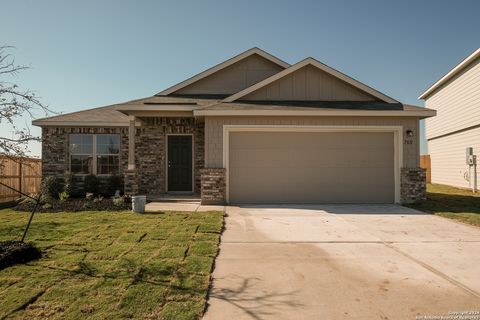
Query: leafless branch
x=16, y=103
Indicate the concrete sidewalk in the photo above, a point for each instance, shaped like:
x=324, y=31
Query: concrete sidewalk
x=181, y=206
x=343, y=262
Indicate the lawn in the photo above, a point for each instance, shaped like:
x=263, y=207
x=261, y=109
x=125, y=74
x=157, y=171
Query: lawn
x=451, y=202
x=111, y=265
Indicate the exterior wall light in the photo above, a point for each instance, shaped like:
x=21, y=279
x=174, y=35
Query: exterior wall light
x=409, y=133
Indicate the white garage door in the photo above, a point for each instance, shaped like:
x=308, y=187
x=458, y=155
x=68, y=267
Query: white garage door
x=311, y=167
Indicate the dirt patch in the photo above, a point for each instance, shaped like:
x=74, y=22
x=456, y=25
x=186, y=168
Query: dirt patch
x=14, y=252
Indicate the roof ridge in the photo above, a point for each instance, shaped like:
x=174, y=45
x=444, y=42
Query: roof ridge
x=222, y=65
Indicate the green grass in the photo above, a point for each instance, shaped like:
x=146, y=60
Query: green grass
x=111, y=265
x=451, y=202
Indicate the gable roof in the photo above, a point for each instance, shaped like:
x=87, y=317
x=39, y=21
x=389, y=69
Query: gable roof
x=319, y=65
x=462, y=65
x=179, y=105
x=224, y=65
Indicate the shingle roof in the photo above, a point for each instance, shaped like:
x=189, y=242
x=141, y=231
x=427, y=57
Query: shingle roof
x=313, y=105
x=110, y=115
x=353, y=105
x=324, y=109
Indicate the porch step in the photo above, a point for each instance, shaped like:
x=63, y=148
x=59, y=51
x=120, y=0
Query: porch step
x=178, y=198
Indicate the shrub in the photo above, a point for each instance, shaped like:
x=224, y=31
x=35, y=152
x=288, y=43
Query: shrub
x=68, y=185
x=77, y=204
x=47, y=199
x=63, y=196
x=91, y=184
x=89, y=196
x=52, y=186
x=47, y=206
x=114, y=183
x=28, y=200
x=127, y=198
x=118, y=201
x=12, y=252
x=43, y=199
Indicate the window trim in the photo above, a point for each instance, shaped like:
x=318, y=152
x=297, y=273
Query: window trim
x=94, y=154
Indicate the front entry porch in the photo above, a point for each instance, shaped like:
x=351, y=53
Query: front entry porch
x=179, y=202
x=165, y=156
x=174, y=197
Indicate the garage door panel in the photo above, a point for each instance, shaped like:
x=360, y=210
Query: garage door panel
x=326, y=188
x=258, y=140
x=311, y=167
x=261, y=158
x=296, y=176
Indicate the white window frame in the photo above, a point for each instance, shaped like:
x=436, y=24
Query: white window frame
x=94, y=153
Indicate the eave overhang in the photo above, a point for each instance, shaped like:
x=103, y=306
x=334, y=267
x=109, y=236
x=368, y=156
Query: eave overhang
x=319, y=112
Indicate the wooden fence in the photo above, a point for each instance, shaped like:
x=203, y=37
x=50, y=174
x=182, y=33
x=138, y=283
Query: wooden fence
x=425, y=163
x=23, y=174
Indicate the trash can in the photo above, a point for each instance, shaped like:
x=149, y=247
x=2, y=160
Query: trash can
x=138, y=204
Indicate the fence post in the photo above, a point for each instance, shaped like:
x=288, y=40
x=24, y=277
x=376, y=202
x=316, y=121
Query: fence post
x=20, y=178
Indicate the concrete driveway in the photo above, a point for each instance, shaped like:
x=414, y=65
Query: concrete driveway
x=343, y=262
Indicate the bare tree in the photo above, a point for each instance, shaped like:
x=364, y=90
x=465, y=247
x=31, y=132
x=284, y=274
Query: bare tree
x=15, y=103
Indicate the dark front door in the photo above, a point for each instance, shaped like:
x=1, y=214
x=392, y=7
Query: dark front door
x=179, y=163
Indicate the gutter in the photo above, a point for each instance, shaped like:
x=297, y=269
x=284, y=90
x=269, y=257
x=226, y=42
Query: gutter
x=45, y=123
x=364, y=113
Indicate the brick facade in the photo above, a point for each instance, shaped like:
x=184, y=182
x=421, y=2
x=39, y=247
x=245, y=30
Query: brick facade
x=214, y=186
x=413, y=185
x=149, y=176
x=55, y=144
x=150, y=151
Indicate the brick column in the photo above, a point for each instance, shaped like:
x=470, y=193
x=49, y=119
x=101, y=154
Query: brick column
x=213, y=185
x=413, y=185
x=130, y=182
x=131, y=144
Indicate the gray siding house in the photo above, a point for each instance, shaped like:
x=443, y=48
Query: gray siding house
x=252, y=129
x=456, y=98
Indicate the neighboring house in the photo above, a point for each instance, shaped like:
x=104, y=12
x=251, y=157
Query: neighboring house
x=456, y=98
x=252, y=129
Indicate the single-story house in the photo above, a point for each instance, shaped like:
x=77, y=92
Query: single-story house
x=456, y=98
x=252, y=129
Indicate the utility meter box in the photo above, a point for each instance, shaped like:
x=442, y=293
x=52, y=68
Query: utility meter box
x=472, y=160
x=469, y=154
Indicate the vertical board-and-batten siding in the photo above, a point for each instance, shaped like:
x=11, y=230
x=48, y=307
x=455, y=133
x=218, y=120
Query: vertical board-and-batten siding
x=311, y=84
x=234, y=78
x=214, y=132
x=457, y=103
x=447, y=156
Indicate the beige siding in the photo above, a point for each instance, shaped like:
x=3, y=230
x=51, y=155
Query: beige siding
x=311, y=167
x=448, y=157
x=214, y=132
x=234, y=78
x=457, y=103
x=309, y=83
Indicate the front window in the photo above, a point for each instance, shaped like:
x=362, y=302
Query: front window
x=81, y=153
x=104, y=148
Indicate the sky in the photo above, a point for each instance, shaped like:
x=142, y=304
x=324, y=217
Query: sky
x=85, y=54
